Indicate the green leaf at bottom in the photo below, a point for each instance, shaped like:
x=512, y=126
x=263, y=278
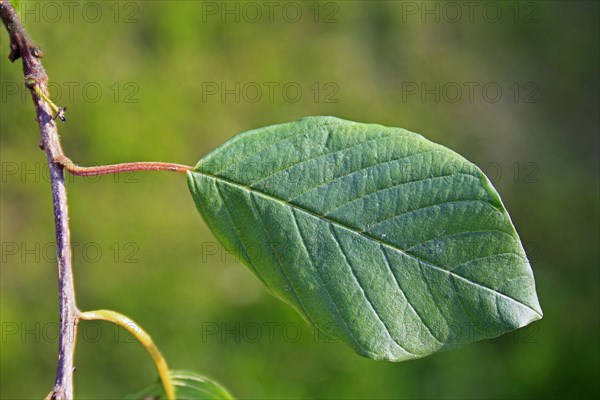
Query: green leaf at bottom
x=188, y=386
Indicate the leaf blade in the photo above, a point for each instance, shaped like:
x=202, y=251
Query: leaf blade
x=379, y=217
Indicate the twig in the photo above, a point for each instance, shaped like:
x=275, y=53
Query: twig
x=47, y=112
x=35, y=77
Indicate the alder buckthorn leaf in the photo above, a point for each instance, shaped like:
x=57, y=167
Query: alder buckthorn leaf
x=378, y=237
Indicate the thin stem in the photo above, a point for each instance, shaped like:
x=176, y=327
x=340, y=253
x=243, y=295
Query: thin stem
x=143, y=337
x=37, y=81
x=118, y=168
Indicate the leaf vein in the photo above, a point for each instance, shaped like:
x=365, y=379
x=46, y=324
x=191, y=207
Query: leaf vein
x=366, y=235
x=443, y=203
x=339, y=178
x=279, y=264
x=457, y=234
x=363, y=291
x=387, y=262
x=363, y=196
x=484, y=257
x=316, y=157
x=237, y=234
x=309, y=257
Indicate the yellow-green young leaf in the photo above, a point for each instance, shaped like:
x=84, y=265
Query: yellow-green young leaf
x=188, y=386
x=378, y=237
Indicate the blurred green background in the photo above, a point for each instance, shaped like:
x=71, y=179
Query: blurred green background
x=512, y=86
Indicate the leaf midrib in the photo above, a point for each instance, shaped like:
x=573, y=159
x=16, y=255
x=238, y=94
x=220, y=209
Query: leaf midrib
x=242, y=186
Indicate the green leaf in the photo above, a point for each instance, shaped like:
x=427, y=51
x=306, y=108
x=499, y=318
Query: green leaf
x=376, y=236
x=188, y=385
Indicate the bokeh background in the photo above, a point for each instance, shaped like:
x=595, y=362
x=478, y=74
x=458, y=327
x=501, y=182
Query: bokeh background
x=512, y=86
